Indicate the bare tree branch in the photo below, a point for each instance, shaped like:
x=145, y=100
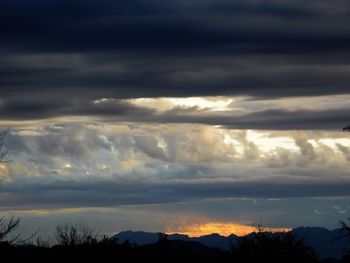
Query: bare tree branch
x=75, y=234
x=3, y=150
x=7, y=226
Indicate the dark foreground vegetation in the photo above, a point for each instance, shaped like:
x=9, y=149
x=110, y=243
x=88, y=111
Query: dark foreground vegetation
x=81, y=243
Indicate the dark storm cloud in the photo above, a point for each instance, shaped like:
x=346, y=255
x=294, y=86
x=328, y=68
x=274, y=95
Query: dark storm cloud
x=94, y=26
x=22, y=109
x=171, y=26
x=276, y=119
x=127, y=76
x=128, y=49
x=292, y=120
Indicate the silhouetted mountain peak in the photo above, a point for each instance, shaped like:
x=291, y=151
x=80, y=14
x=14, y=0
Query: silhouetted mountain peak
x=213, y=235
x=179, y=236
x=136, y=237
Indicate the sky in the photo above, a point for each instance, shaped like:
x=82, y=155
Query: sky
x=177, y=116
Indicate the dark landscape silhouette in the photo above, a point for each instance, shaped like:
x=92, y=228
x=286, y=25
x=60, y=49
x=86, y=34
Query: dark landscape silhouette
x=80, y=242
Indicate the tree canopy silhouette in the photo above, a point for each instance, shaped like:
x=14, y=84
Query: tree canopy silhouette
x=264, y=246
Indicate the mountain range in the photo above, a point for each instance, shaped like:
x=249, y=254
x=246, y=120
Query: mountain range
x=327, y=243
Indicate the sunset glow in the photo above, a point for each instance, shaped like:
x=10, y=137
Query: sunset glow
x=224, y=229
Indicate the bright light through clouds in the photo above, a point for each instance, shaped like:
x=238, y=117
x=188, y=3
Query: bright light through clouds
x=202, y=103
x=265, y=142
x=67, y=166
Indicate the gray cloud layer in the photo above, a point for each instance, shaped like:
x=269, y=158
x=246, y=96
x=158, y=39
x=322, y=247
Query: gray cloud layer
x=192, y=164
x=74, y=194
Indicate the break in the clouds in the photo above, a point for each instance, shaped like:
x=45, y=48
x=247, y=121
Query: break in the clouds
x=305, y=113
x=131, y=108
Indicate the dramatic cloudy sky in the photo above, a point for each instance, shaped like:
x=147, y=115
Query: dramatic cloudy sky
x=188, y=116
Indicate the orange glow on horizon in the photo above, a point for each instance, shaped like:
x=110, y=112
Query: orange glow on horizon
x=224, y=229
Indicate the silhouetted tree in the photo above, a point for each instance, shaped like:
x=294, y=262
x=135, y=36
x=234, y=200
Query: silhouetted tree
x=75, y=235
x=3, y=150
x=163, y=244
x=162, y=238
x=345, y=233
x=7, y=227
x=264, y=246
x=345, y=228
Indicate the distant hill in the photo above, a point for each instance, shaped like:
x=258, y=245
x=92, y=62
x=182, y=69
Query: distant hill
x=217, y=241
x=325, y=242
x=184, y=249
x=138, y=238
x=141, y=238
